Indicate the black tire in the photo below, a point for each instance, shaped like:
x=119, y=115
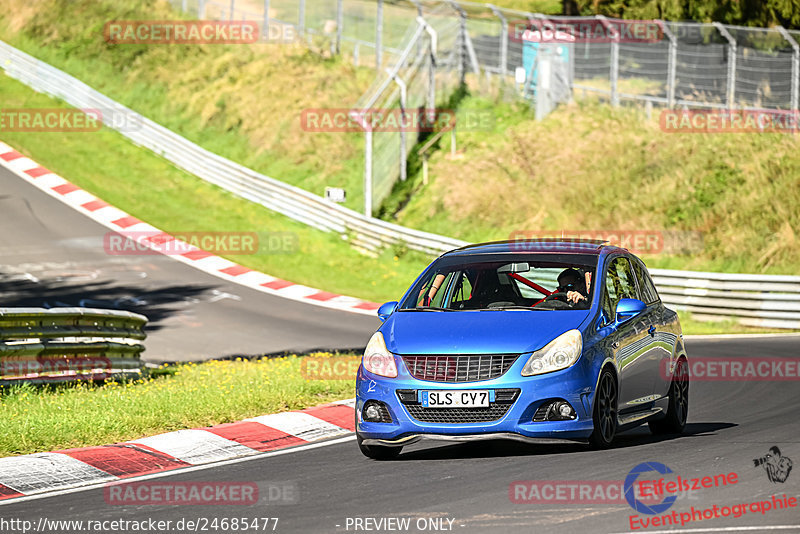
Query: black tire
x=378, y=452
x=604, y=415
x=678, y=407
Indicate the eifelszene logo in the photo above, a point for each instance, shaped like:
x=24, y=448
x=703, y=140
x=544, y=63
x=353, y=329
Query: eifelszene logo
x=636, y=504
x=777, y=467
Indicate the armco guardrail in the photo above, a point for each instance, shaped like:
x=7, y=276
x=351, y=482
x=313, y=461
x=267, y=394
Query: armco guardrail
x=300, y=205
x=757, y=300
x=62, y=344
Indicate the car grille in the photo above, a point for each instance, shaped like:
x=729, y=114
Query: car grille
x=458, y=415
x=459, y=368
x=504, y=399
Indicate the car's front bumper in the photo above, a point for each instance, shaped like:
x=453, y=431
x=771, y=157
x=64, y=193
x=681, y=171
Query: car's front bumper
x=574, y=385
x=413, y=438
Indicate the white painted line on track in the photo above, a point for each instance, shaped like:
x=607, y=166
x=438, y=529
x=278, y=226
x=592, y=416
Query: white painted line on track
x=164, y=474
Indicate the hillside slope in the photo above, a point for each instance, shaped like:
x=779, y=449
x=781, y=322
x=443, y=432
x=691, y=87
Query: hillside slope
x=591, y=167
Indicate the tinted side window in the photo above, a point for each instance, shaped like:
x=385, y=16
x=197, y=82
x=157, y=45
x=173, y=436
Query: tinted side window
x=620, y=283
x=646, y=286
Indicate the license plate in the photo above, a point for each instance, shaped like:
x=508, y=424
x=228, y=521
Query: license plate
x=456, y=398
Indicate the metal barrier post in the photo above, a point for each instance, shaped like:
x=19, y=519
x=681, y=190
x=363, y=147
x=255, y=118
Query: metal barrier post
x=731, y=96
x=614, y=74
x=403, y=99
x=795, y=84
x=233, y=6
x=379, y=37
x=503, y=40
x=184, y=7
x=201, y=9
x=671, y=63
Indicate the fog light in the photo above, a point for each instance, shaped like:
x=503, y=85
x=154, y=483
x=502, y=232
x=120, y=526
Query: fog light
x=375, y=412
x=554, y=410
x=372, y=413
x=564, y=410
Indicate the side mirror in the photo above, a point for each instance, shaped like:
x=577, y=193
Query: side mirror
x=386, y=309
x=628, y=309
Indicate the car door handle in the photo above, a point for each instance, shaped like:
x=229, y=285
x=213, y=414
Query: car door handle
x=652, y=330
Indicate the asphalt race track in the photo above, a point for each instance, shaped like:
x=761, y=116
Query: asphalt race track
x=51, y=255
x=730, y=424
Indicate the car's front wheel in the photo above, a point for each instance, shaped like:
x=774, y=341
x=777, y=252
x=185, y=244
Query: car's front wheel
x=605, y=411
x=377, y=452
x=678, y=407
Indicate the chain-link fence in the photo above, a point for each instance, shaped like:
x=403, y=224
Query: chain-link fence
x=423, y=50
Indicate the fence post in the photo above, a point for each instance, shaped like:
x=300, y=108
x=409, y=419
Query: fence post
x=339, y=20
x=368, y=173
x=731, y=96
x=795, y=84
x=614, y=73
x=379, y=37
x=419, y=16
x=201, y=9
x=503, y=39
x=266, y=20
x=462, y=40
x=403, y=99
x=432, y=69
x=184, y=7
x=233, y=6
x=301, y=17
x=671, y=63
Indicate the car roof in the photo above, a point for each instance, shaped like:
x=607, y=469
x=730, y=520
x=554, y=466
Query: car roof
x=538, y=246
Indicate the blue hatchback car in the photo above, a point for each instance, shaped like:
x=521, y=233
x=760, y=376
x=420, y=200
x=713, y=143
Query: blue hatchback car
x=542, y=341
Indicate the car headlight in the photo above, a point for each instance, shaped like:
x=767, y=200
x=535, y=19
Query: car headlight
x=377, y=359
x=559, y=354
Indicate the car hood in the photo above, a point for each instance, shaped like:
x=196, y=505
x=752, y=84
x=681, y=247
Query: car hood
x=476, y=332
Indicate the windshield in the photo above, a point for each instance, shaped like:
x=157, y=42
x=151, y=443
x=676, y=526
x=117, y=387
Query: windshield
x=535, y=282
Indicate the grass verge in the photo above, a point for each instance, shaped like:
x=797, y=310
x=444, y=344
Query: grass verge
x=155, y=191
x=36, y=419
x=593, y=168
x=141, y=183
x=241, y=101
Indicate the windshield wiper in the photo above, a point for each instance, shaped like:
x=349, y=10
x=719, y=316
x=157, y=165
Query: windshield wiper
x=427, y=308
x=512, y=307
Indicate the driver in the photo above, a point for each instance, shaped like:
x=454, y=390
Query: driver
x=574, y=284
